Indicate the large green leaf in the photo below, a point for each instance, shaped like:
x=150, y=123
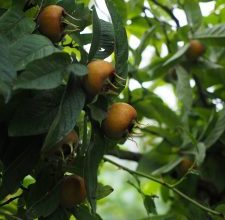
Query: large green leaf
x=14, y=24
x=69, y=110
x=46, y=73
x=121, y=44
x=151, y=106
x=35, y=115
x=193, y=12
x=59, y=214
x=22, y=165
x=95, y=152
x=83, y=213
x=217, y=130
x=46, y=205
x=102, y=44
x=96, y=35
x=214, y=35
x=29, y=48
x=7, y=70
x=184, y=91
x=175, y=58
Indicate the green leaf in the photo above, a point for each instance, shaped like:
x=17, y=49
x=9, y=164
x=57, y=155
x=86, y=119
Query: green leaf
x=121, y=44
x=193, y=12
x=69, y=110
x=46, y=73
x=103, y=191
x=214, y=35
x=83, y=213
x=170, y=165
x=94, y=155
x=96, y=35
x=175, y=58
x=151, y=106
x=217, y=130
x=22, y=165
x=46, y=205
x=149, y=204
x=143, y=44
x=200, y=153
x=102, y=44
x=77, y=69
x=184, y=91
x=29, y=48
x=7, y=70
x=157, y=163
x=106, y=44
x=59, y=214
x=35, y=115
x=14, y=24
x=219, y=208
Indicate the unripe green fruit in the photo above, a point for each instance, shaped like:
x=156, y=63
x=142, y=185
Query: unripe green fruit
x=119, y=120
x=50, y=22
x=73, y=191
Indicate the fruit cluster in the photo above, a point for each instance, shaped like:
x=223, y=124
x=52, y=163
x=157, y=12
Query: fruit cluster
x=101, y=78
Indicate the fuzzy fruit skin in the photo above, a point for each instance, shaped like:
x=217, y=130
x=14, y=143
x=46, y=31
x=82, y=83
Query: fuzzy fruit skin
x=73, y=191
x=185, y=165
x=98, y=72
x=50, y=22
x=71, y=138
x=195, y=50
x=119, y=120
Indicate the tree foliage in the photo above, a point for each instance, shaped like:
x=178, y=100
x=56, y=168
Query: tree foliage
x=42, y=99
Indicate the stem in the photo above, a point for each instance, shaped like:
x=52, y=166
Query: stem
x=70, y=16
x=178, y=192
x=168, y=11
x=125, y=155
x=65, y=21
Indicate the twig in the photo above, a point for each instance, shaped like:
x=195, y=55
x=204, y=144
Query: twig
x=178, y=192
x=125, y=155
x=168, y=11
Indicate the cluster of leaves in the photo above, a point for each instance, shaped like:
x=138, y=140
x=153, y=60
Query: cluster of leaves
x=195, y=130
x=42, y=100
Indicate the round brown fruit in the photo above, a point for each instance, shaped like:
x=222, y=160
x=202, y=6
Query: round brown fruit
x=73, y=191
x=50, y=22
x=119, y=120
x=185, y=165
x=65, y=144
x=99, y=71
x=195, y=50
x=71, y=138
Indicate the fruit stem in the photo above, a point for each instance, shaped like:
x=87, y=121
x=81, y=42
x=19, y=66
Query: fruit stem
x=111, y=84
x=119, y=77
x=65, y=21
x=121, y=84
x=70, y=16
x=168, y=186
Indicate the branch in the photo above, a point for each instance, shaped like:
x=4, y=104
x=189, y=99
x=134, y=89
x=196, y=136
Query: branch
x=168, y=11
x=126, y=155
x=168, y=186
